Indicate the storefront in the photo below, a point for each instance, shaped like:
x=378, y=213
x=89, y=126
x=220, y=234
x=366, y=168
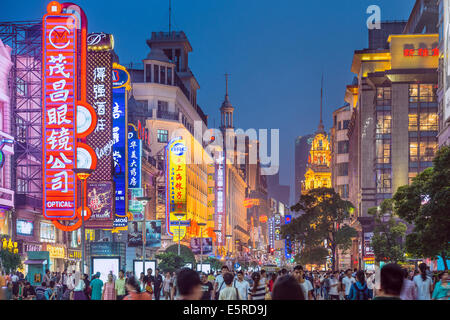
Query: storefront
x=105, y=256
x=5, y=222
x=57, y=254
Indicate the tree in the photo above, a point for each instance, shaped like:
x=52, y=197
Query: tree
x=216, y=264
x=425, y=203
x=323, y=217
x=388, y=233
x=315, y=255
x=185, y=252
x=170, y=262
x=9, y=257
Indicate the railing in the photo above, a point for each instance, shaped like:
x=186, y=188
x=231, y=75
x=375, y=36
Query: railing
x=167, y=115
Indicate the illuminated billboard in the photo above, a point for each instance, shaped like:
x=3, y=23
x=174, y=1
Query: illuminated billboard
x=121, y=79
x=59, y=99
x=99, y=96
x=100, y=200
x=175, y=153
x=134, y=158
x=220, y=222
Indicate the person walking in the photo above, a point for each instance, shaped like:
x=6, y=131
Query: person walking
x=47, y=277
x=109, y=289
x=287, y=288
x=207, y=288
x=424, y=283
x=242, y=286
x=141, y=281
x=167, y=286
x=347, y=283
x=408, y=288
x=157, y=284
x=50, y=292
x=148, y=281
x=272, y=280
x=359, y=289
x=87, y=287
x=391, y=282
x=229, y=292
x=134, y=290
x=333, y=289
x=120, y=286
x=96, y=287
x=258, y=290
x=442, y=288
x=79, y=286
x=304, y=283
x=40, y=291
x=219, y=284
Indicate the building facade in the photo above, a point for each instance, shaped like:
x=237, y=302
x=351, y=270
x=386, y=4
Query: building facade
x=302, y=147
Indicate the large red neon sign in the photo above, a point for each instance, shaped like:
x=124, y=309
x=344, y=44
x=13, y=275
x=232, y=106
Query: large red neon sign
x=59, y=90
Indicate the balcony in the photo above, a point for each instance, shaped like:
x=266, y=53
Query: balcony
x=168, y=115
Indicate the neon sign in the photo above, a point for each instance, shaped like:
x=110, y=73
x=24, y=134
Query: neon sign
x=175, y=152
x=135, y=158
x=59, y=92
x=220, y=222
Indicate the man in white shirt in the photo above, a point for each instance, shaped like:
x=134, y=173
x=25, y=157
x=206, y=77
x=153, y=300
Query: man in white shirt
x=219, y=284
x=242, y=286
x=333, y=292
x=347, y=282
x=304, y=283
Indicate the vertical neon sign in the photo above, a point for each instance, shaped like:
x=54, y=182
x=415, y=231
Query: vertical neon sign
x=220, y=221
x=59, y=90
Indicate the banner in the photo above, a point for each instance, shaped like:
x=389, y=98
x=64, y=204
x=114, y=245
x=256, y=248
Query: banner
x=175, y=153
x=134, y=158
x=59, y=95
x=206, y=247
x=100, y=200
x=152, y=233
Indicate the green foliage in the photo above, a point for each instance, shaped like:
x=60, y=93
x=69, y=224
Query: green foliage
x=185, y=253
x=216, y=264
x=169, y=261
x=323, y=217
x=425, y=203
x=315, y=255
x=388, y=233
x=9, y=260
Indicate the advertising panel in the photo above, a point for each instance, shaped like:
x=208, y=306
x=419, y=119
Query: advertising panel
x=152, y=235
x=100, y=201
x=24, y=227
x=207, y=246
x=271, y=230
x=59, y=90
x=149, y=264
x=134, y=158
x=368, y=250
x=220, y=214
x=277, y=227
x=120, y=78
x=4, y=222
x=99, y=96
x=134, y=206
x=175, y=152
x=105, y=266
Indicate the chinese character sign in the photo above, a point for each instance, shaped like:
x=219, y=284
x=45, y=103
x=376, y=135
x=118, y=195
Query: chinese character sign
x=99, y=96
x=176, y=187
x=220, y=222
x=134, y=158
x=59, y=90
x=271, y=227
x=119, y=152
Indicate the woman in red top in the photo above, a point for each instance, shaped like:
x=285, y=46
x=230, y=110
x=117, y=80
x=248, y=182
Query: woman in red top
x=272, y=281
x=135, y=291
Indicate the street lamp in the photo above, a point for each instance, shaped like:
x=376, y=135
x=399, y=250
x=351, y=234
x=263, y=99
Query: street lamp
x=82, y=174
x=179, y=215
x=144, y=201
x=201, y=225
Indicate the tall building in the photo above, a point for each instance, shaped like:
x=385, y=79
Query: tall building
x=6, y=144
x=165, y=94
x=276, y=190
x=318, y=172
x=339, y=151
x=302, y=147
x=423, y=18
x=444, y=73
x=394, y=122
x=378, y=37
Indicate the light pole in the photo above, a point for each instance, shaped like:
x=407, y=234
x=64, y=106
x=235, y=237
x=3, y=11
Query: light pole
x=201, y=225
x=229, y=236
x=82, y=174
x=179, y=215
x=144, y=201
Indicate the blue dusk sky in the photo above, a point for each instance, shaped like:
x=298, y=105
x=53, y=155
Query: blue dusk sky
x=275, y=52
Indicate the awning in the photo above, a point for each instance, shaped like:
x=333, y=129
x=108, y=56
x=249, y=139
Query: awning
x=36, y=262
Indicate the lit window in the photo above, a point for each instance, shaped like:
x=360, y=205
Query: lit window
x=163, y=136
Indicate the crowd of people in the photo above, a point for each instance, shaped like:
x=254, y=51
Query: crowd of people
x=393, y=283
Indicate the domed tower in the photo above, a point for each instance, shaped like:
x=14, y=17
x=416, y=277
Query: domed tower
x=226, y=110
x=318, y=172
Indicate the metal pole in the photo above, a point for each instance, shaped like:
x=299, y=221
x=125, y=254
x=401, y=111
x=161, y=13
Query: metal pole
x=83, y=233
x=201, y=249
x=179, y=232
x=144, y=253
